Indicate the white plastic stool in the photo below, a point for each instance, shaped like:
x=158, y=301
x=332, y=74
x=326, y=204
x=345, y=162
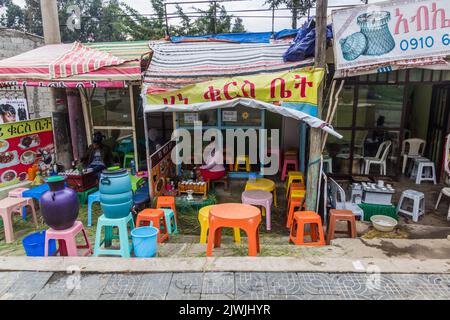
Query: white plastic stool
x=445, y=192
x=420, y=171
x=418, y=208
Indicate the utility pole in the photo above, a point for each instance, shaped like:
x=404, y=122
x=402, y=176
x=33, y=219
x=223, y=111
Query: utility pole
x=315, y=142
x=52, y=35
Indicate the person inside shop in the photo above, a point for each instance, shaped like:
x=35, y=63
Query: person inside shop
x=377, y=137
x=112, y=141
x=99, y=155
x=155, y=141
x=7, y=113
x=213, y=168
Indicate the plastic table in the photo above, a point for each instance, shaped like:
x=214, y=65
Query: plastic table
x=377, y=209
x=234, y=215
x=36, y=192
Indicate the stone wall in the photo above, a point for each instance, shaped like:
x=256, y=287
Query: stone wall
x=12, y=43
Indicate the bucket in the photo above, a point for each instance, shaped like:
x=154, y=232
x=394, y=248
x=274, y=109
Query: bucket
x=34, y=245
x=145, y=241
x=116, y=211
x=114, y=181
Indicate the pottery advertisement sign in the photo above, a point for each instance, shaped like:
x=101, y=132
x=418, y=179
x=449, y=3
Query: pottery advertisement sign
x=23, y=144
x=387, y=32
x=162, y=168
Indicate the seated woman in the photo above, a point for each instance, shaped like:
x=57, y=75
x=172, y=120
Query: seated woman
x=99, y=155
x=213, y=168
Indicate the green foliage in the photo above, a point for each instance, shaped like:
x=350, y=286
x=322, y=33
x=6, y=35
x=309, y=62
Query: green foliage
x=113, y=20
x=297, y=7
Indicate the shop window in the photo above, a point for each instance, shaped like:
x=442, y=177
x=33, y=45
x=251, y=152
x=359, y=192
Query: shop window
x=427, y=75
x=241, y=116
x=445, y=75
x=339, y=151
x=120, y=141
x=344, y=113
x=379, y=106
x=187, y=119
x=436, y=75
x=415, y=75
x=111, y=107
x=401, y=74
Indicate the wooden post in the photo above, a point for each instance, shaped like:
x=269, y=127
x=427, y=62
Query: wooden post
x=315, y=134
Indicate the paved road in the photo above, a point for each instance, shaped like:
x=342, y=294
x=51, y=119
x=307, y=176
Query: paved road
x=229, y=286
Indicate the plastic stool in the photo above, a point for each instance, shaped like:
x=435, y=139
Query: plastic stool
x=126, y=157
x=260, y=198
x=171, y=222
x=294, y=187
x=84, y=195
x=8, y=206
x=288, y=160
x=124, y=238
x=294, y=176
x=17, y=193
x=239, y=160
x=302, y=218
x=158, y=219
x=167, y=202
x=92, y=198
x=418, y=208
x=296, y=201
x=203, y=219
x=446, y=192
x=67, y=244
x=341, y=215
x=419, y=171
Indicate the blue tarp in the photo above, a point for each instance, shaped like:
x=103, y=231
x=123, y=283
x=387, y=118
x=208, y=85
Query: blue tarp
x=305, y=41
x=245, y=37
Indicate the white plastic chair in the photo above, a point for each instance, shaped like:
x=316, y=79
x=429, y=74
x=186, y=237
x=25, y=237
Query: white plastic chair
x=338, y=200
x=411, y=149
x=379, y=159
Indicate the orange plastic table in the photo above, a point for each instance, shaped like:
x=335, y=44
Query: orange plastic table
x=234, y=215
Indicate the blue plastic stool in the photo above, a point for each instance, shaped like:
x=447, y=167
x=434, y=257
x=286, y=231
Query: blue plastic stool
x=93, y=197
x=170, y=221
x=124, y=239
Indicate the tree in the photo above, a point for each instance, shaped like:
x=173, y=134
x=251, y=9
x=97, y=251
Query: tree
x=238, y=26
x=297, y=7
x=13, y=16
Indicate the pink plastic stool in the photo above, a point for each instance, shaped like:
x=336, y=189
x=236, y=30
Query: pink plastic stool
x=288, y=160
x=17, y=193
x=259, y=198
x=67, y=244
x=10, y=205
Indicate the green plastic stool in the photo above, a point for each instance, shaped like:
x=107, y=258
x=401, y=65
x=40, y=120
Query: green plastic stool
x=83, y=196
x=128, y=156
x=124, y=239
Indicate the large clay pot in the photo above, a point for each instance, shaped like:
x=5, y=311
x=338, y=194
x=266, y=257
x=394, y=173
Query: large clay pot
x=59, y=205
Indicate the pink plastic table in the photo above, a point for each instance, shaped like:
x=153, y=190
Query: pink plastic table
x=259, y=198
x=7, y=207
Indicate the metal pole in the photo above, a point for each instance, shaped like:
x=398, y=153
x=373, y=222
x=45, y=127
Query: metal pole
x=215, y=17
x=167, y=21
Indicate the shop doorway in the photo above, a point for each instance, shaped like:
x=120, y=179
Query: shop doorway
x=439, y=123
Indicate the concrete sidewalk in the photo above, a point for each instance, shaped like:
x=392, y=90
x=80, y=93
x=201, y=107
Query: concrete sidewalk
x=222, y=286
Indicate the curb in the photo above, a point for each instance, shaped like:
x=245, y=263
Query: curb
x=225, y=264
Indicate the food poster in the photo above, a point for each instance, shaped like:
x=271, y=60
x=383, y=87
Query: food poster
x=23, y=144
x=13, y=110
x=162, y=168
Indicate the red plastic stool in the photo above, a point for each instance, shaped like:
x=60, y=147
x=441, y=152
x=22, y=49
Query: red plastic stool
x=302, y=218
x=157, y=217
x=67, y=244
x=167, y=202
x=341, y=215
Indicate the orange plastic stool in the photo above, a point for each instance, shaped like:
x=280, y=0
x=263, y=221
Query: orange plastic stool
x=295, y=204
x=158, y=218
x=167, y=202
x=296, y=186
x=302, y=218
x=234, y=215
x=341, y=215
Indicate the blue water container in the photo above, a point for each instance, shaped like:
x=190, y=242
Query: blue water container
x=145, y=241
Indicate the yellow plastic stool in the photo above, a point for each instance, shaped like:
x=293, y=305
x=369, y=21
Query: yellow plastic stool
x=292, y=177
x=298, y=194
x=203, y=218
x=240, y=159
x=265, y=185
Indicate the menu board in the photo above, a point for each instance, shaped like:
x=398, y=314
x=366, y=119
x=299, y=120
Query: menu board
x=162, y=167
x=23, y=144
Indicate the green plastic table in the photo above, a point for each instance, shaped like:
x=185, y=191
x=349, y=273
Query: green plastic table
x=376, y=209
x=181, y=202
